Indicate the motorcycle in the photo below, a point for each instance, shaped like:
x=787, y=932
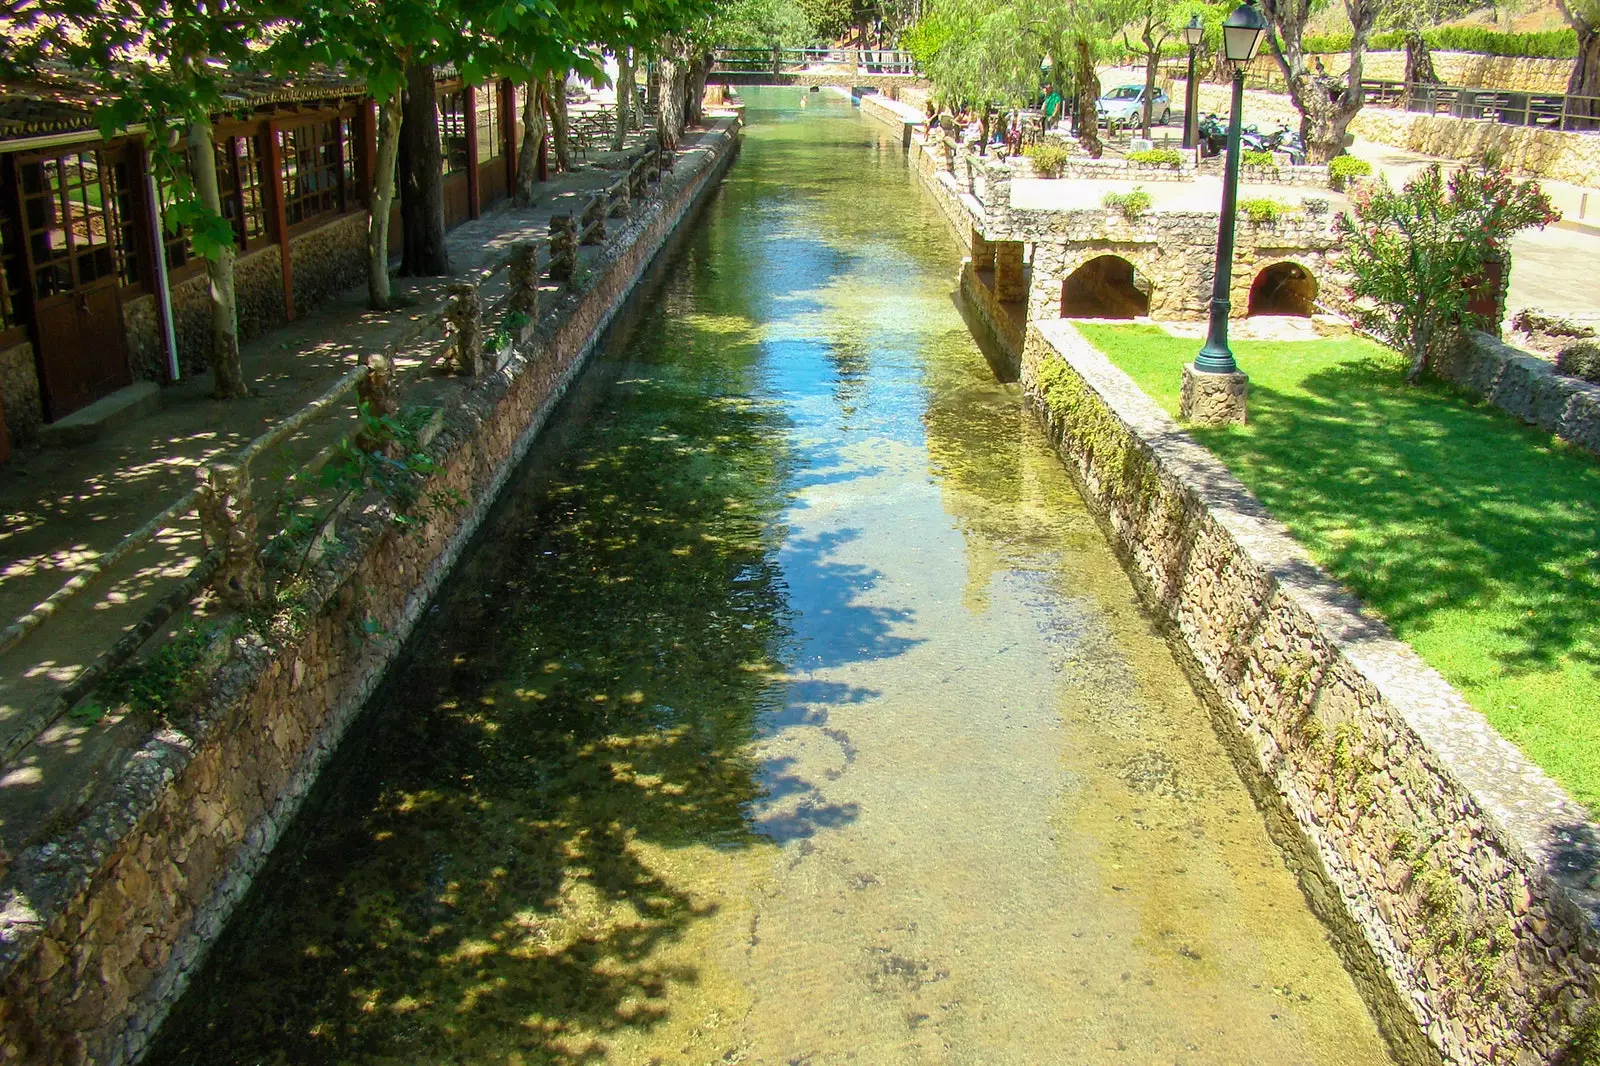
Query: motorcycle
x=1213, y=133
x=1288, y=142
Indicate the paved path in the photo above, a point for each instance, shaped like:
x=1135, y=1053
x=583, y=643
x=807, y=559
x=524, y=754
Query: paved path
x=63, y=509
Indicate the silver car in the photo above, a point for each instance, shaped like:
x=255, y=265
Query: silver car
x=1125, y=105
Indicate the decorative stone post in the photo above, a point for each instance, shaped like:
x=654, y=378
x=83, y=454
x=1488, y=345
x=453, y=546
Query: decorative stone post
x=639, y=179
x=1209, y=399
x=524, y=273
x=1010, y=277
x=464, y=315
x=228, y=524
x=563, y=247
x=594, y=220
x=982, y=251
x=621, y=201
x=377, y=390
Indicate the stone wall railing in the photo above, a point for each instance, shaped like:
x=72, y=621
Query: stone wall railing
x=1461, y=882
x=102, y=925
x=1528, y=387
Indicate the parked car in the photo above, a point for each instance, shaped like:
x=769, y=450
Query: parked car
x=1125, y=105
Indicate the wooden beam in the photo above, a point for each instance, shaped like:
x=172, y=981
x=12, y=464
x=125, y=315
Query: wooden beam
x=469, y=112
x=278, y=220
x=508, y=131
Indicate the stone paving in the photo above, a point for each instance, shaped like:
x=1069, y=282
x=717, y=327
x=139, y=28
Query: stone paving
x=63, y=509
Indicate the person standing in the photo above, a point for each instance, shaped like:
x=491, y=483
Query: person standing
x=1052, y=107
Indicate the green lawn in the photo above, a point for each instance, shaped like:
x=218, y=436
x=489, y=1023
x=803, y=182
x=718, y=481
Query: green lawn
x=1476, y=537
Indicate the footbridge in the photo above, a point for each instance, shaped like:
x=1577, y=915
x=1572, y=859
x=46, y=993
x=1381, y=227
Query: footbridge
x=877, y=68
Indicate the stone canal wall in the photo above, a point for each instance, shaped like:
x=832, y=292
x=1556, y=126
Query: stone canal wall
x=102, y=927
x=1464, y=883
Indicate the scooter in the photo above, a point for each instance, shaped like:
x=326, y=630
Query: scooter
x=1290, y=143
x=1213, y=134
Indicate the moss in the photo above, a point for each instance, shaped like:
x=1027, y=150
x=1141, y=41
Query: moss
x=1583, y=1048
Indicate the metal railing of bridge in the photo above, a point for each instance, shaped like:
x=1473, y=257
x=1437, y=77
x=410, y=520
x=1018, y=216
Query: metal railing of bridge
x=1555, y=111
x=781, y=61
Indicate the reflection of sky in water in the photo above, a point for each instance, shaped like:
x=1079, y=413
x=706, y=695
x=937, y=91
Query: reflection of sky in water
x=790, y=709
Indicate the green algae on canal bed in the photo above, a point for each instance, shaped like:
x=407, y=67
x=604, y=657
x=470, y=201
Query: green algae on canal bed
x=790, y=708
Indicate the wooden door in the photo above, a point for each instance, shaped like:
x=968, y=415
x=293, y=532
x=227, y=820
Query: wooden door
x=75, y=210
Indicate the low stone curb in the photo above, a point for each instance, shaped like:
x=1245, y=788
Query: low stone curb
x=1462, y=883
x=101, y=928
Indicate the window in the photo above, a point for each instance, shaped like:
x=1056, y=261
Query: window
x=352, y=178
x=453, y=132
x=313, y=170
x=77, y=219
x=243, y=200
x=487, y=113
x=174, y=241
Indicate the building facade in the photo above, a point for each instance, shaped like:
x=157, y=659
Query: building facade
x=96, y=293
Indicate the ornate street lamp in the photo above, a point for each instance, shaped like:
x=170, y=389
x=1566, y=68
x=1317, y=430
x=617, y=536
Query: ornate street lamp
x=1194, y=33
x=1213, y=389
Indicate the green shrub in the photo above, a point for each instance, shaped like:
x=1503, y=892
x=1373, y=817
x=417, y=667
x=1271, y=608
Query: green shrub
x=1048, y=160
x=1157, y=157
x=1263, y=209
x=1580, y=359
x=1256, y=159
x=1550, y=44
x=1344, y=167
x=1132, y=204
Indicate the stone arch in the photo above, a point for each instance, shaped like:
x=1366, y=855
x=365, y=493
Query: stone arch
x=1283, y=288
x=1105, y=286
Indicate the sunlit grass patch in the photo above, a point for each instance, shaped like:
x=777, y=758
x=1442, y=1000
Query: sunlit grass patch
x=1475, y=536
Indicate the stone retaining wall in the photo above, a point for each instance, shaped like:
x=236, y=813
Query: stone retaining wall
x=1461, y=881
x=1527, y=387
x=19, y=384
x=101, y=927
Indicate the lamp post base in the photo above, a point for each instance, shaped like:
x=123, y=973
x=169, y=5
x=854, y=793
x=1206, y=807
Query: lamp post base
x=1213, y=399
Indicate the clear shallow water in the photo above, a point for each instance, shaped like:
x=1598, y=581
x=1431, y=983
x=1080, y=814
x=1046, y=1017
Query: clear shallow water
x=790, y=710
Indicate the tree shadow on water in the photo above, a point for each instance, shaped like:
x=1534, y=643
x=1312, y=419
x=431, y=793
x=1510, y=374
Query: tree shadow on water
x=501, y=865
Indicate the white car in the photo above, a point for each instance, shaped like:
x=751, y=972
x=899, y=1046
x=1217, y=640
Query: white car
x=1125, y=105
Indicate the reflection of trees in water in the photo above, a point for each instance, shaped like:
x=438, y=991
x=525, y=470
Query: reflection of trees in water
x=497, y=866
x=851, y=359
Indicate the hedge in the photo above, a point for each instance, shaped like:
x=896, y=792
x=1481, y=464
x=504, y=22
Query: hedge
x=1551, y=44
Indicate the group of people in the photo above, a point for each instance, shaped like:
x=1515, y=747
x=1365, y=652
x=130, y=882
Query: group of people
x=1006, y=131
x=966, y=126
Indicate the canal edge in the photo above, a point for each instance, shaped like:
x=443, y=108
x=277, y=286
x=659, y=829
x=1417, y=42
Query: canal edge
x=102, y=926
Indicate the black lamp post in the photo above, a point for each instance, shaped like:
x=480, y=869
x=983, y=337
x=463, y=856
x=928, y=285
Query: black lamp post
x=1242, y=34
x=1194, y=33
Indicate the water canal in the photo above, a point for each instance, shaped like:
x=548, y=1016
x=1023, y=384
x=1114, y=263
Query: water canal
x=790, y=709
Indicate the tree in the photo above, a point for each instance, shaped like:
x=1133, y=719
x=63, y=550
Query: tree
x=1411, y=17
x=1326, y=104
x=1153, y=21
x=162, y=66
x=1584, y=17
x=1416, y=256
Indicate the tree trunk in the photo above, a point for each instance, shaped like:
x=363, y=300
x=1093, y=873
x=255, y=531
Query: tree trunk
x=1326, y=105
x=652, y=87
x=529, y=160
x=619, y=133
x=555, y=103
x=1585, y=77
x=694, y=95
x=1419, y=61
x=1152, y=61
x=384, y=168
x=423, y=251
x=1088, y=93
x=670, y=121
x=227, y=369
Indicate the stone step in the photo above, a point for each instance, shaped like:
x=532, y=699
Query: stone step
x=121, y=408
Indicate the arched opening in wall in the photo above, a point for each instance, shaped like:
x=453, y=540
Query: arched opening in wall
x=1105, y=287
x=1283, y=289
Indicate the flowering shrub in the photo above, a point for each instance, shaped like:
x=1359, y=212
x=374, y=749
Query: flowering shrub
x=1048, y=160
x=1418, y=256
